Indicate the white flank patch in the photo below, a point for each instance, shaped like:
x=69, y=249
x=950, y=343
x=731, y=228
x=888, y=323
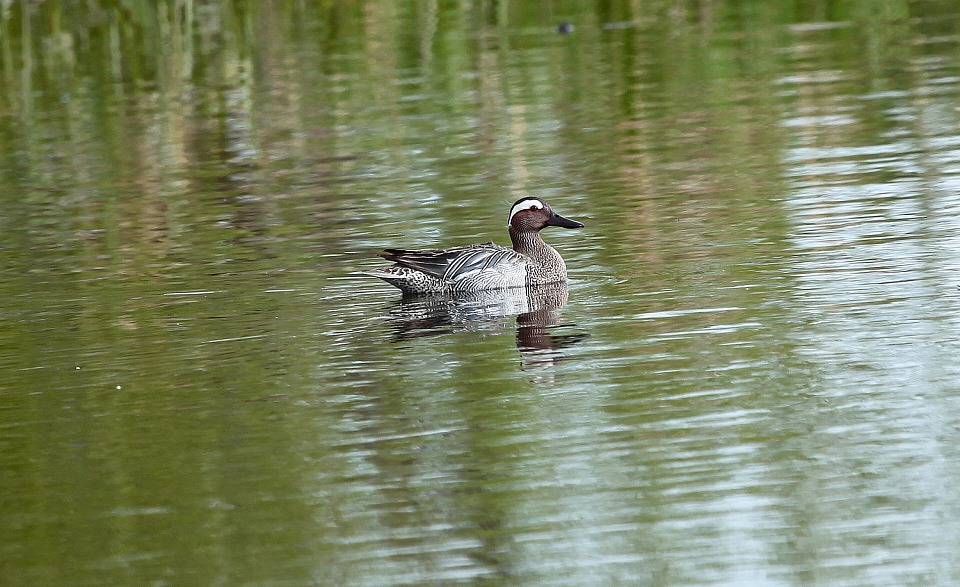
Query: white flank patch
x=524, y=205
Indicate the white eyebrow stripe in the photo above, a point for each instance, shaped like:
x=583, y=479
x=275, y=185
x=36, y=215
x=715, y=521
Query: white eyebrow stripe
x=524, y=205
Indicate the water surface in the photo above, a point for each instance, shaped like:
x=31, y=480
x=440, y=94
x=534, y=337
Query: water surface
x=751, y=378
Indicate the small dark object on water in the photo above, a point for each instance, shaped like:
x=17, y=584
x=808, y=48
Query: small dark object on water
x=564, y=28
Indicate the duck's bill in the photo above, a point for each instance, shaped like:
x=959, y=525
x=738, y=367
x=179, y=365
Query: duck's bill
x=558, y=220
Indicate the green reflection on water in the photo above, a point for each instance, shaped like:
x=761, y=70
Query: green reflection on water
x=196, y=390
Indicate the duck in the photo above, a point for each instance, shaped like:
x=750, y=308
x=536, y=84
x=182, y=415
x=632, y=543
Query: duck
x=484, y=266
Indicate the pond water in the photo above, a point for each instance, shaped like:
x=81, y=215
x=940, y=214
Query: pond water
x=751, y=377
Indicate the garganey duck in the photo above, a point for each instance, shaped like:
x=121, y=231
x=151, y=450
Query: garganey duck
x=486, y=266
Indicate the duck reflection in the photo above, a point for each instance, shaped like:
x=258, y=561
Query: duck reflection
x=536, y=310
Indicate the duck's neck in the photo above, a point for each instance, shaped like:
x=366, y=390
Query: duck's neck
x=543, y=255
x=527, y=242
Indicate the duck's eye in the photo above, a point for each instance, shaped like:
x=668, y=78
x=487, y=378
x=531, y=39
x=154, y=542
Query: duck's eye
x=532, y=207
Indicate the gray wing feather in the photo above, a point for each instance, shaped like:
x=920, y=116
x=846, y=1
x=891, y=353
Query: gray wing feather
x=456, y=262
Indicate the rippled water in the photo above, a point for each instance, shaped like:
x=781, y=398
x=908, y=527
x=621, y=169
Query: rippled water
x=751, y=378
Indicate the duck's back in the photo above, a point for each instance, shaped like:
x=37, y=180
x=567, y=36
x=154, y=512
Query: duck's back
x=459, y=269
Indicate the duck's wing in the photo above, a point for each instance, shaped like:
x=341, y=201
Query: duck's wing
x=454, y=263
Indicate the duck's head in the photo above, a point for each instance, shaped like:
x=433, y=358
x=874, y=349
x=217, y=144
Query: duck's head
x=533, y=214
